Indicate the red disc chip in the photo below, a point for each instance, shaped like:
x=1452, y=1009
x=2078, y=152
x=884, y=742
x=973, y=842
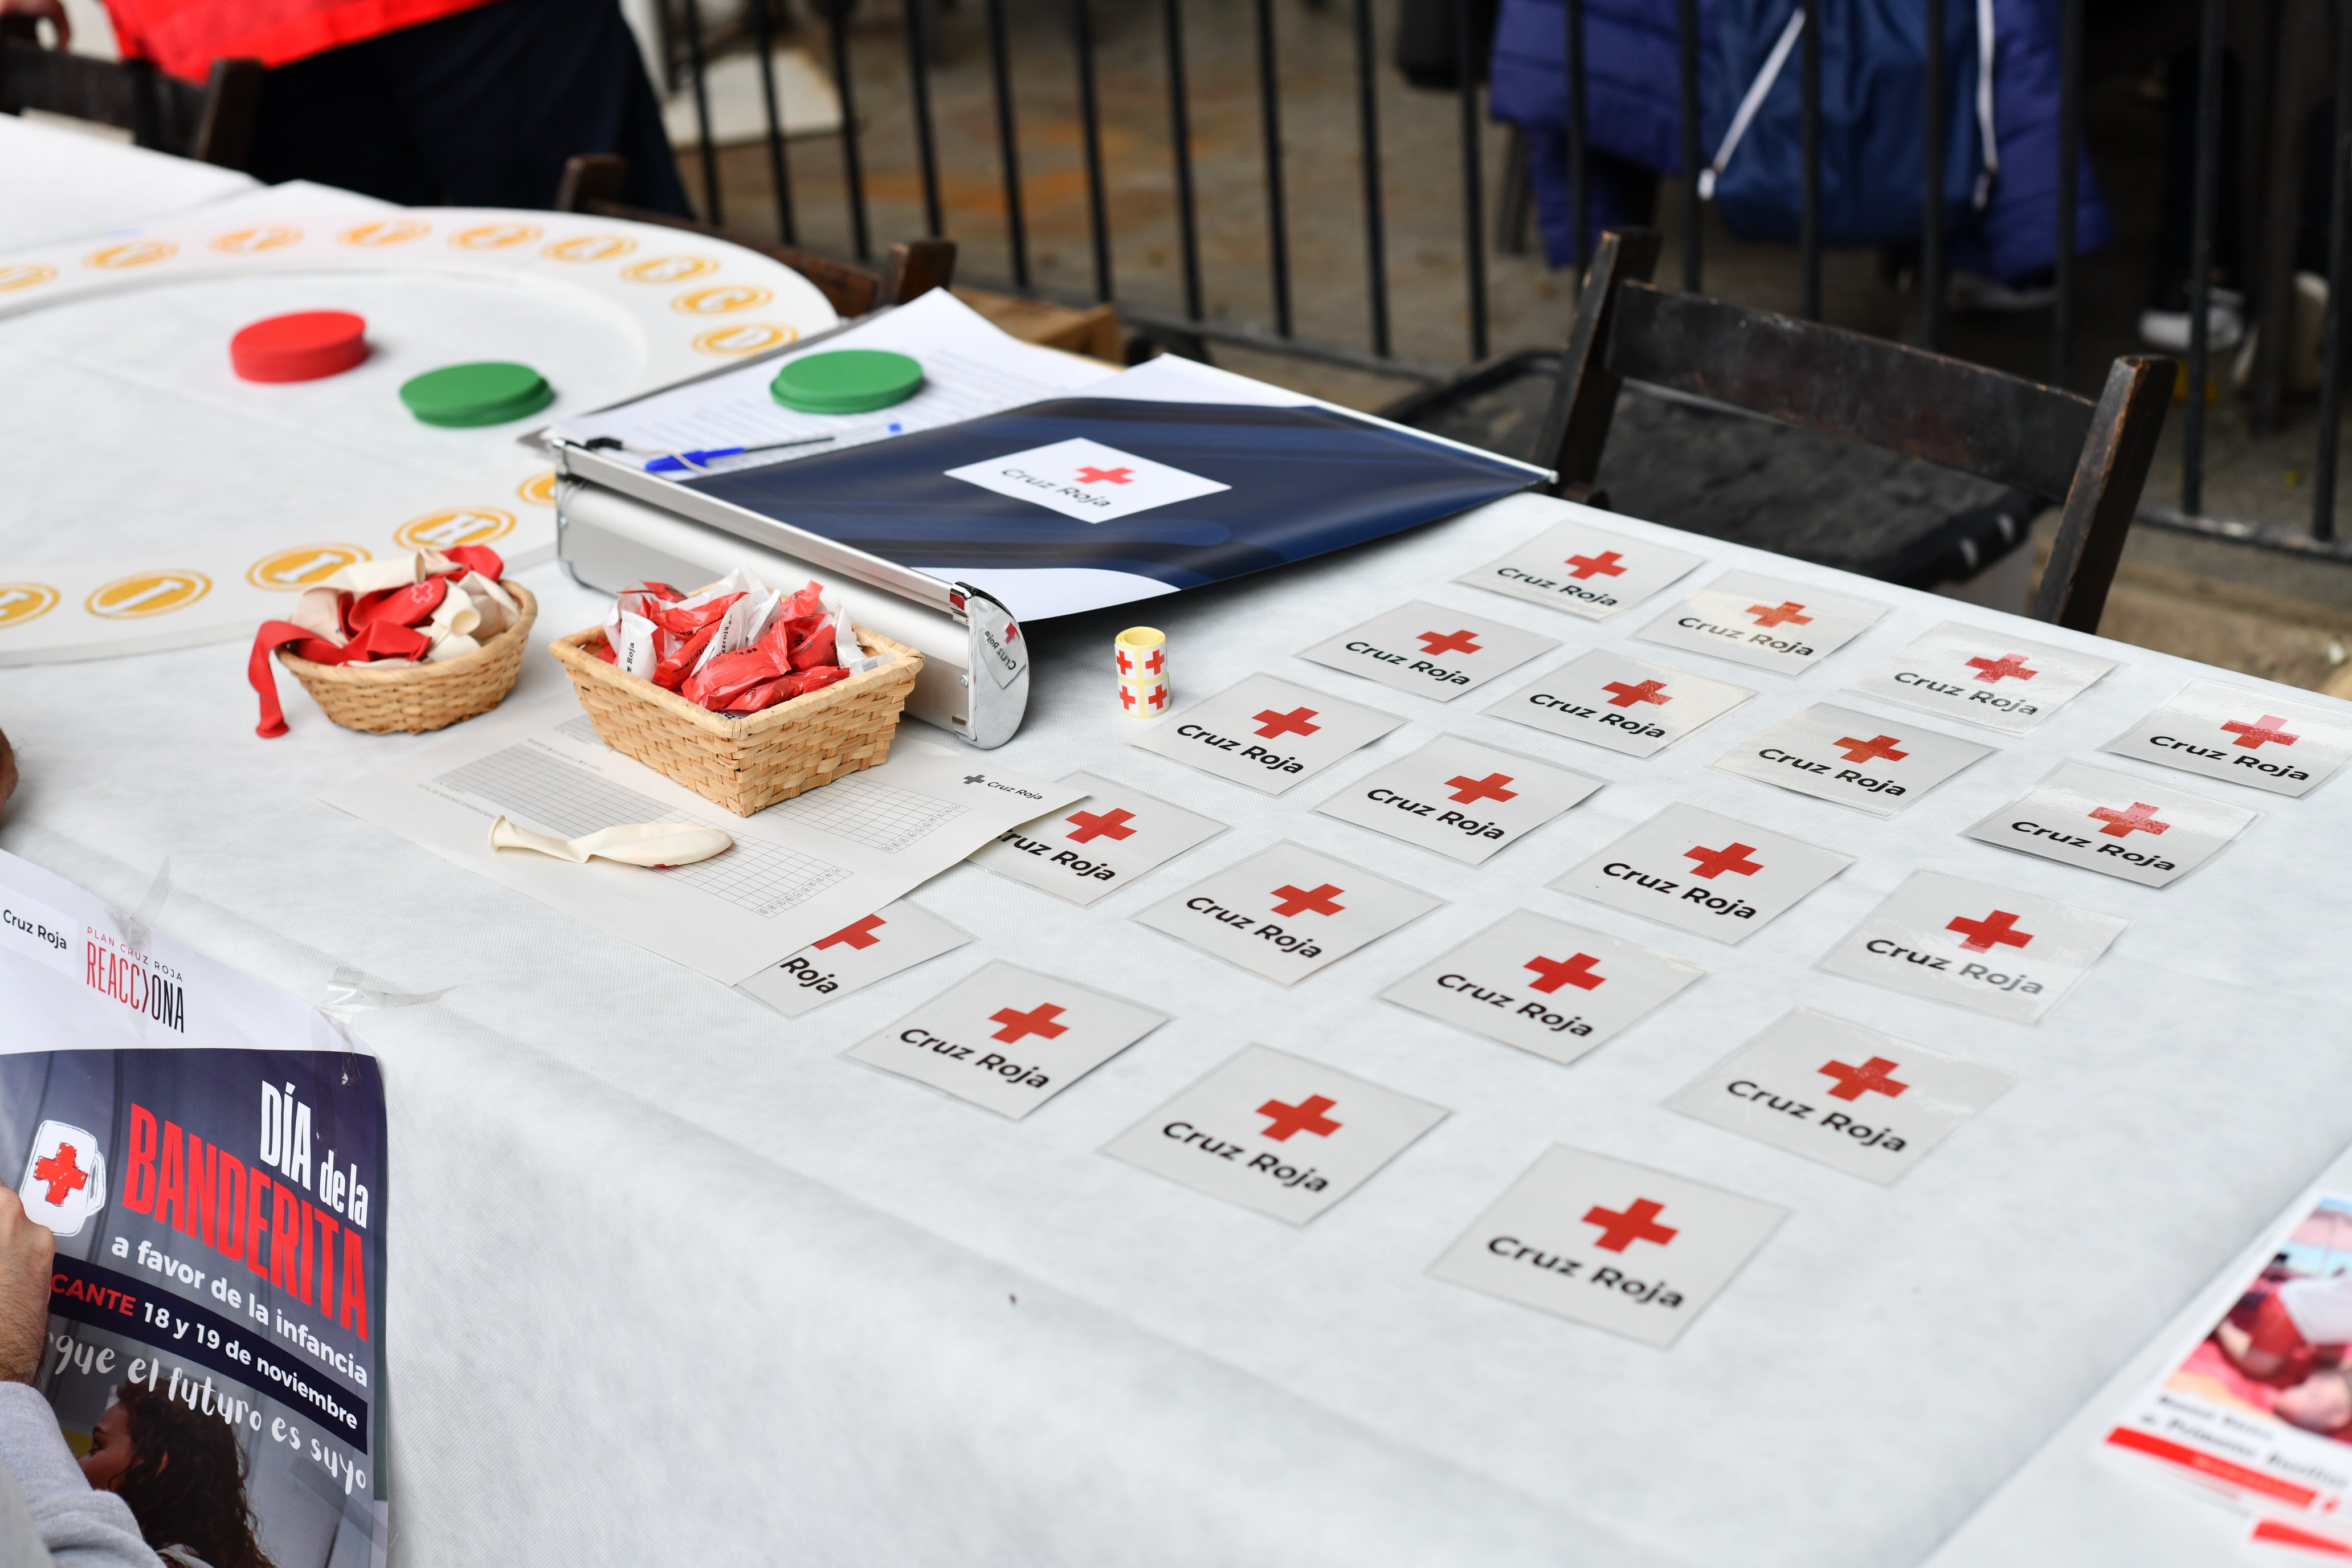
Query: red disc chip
x=304, y=346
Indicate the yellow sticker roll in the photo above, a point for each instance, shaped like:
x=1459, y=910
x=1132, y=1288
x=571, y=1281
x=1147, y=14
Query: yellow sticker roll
x=1143, y=698
x=1142, y=653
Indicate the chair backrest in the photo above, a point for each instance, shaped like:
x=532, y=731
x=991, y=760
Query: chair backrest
x=211, y=123
x=592, y=184
x=2091, y=457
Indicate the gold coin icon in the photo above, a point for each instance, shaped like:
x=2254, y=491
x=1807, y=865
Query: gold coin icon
x=301, y=565
x=539, y=490
x=745, y=337
x=148, y=593
x=588, y=248
x=130, y=253
x=720, y=301
x=668, y=268
x=20, y=601
x=495, y=236
x=248, y=241
x=454, y=525
x=385, y=231
x=23, y=274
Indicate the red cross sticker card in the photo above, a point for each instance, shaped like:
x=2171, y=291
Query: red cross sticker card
x=1265, y=732
x=1618, y=704
x=1835, y=754
x=2147, y=833
x=1586, y=571
x=1086, y=480
x=2008, y=953
x=1277, y=1133
x=1766, y=622
x=2246, y=737
x=1609, y=1243
x=1461, y=799
x=1543, y=985
x=1699, y=872
x=1983, y=676
x=1842, y=1093
x=1287, y=912
x=1103, y=843
x=1430, y=650
x=1008, y=1038
x=896, y=937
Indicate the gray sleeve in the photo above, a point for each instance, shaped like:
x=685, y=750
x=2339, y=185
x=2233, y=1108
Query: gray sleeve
x=80, y=1527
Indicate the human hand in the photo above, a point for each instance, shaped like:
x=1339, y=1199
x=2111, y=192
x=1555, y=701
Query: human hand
x=53, y=11
x=27, y=1251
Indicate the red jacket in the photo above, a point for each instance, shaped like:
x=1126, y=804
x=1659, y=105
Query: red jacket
x=183, y=37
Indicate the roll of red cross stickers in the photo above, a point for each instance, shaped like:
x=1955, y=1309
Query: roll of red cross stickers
x=1143, y=698
x=1142, y=653
x=308, y=345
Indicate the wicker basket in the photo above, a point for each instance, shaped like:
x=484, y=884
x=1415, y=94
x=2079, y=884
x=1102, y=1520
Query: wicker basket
x=756, y=761
x=382, y=697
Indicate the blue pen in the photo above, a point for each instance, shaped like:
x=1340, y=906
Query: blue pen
x=683, y=462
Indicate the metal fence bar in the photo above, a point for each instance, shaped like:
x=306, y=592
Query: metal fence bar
x=1579, y=192
x=1082, y=30
x=1929, y=277
x=1269, y=115
x=1008, y=152
x=780, y=179
x=1180, y=137
x=1809, y=235
x=1368, y=135
x=2331, y=372
x=2070, y=157
x=2200, y=249
x=1474, y=180
x=918, y=82
x=710, y=210
x=1686, y=37
x=853, y=174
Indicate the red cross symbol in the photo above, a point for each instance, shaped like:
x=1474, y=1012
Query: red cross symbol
x=1997, y=928
x=61, y=1174
x=1290, y=901
x=1125, y=665
x=1870, y=1077
x=1864, y=750
x=1306, y=1116
x=1732, y=857
x=1620, y=1231
x=2269, y=727
x=1787, y=610
x=1648, y=691
x=1038, y=1020
x=857, y=933
x=1491, y=787
x=1127, y=697
x=1434, y=643
x=1294, y=722
x=1094, y=825
x=1158, y=698
x=2140, y=819
x=1157, y=662
x=1553, y=973
x=1602, y=565
x=1106, y=476
x=2008, y=664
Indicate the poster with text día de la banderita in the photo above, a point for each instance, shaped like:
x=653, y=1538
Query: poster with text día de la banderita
x=216, y=1304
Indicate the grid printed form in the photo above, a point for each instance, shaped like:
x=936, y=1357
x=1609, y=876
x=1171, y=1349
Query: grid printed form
x=764, y=879
x=864, y=811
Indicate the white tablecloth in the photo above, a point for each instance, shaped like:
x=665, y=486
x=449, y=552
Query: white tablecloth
x=674, y=1282
x=57, y=182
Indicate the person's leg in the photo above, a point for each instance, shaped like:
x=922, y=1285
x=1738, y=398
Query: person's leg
x=497, y=97
x=331, y=119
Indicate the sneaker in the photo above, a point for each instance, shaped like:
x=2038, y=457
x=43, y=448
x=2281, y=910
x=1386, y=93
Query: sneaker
x=2225, y=324
x=1974, y=294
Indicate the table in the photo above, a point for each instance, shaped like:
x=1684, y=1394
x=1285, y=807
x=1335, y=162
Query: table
x=674, y=1281
x=57, y=183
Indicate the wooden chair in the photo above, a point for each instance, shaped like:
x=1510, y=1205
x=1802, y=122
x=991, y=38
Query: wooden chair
x=211, y=123
x=592, y=180
x=2091, y=458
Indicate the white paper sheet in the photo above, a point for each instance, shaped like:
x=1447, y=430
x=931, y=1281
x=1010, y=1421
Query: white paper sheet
x=799, y=870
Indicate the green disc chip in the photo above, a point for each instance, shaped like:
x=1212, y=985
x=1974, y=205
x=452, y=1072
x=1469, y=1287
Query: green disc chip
x=846, y=381
x=489, y=393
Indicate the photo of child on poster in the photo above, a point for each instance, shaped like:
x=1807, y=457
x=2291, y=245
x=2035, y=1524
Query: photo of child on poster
x=213, y=1349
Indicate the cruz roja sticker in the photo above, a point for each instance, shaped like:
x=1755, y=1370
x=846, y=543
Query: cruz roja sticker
x=1543, y=985
x=1609, y=1243
x=1287, y=912
x=1835, y=754
x=1699, y=872
x=1103, y=843
x=896, y=937
x=1586, y=571
x=1623, y=704
x=1007, y=1039
x=1266, y=733
x=1460, y=799
x=1841, y=1093
x=2008, y=953
x=2250, y=738
x=1784, y=626
x=1430, y=650
x=1983, y=676
x=2147, y=833
x=1277, y=1133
